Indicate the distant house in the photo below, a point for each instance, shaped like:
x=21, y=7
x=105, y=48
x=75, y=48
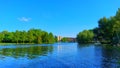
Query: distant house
x=68, y=39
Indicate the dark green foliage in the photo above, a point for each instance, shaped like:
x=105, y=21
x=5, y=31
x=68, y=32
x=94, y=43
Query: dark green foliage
x=31, y=36
x=56, y=40
x=108, y=30
x=85, y=36
x=45, y=37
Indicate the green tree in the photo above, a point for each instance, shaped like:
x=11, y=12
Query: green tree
x=30, y=36
x=109, y=29
x=23, y=36
x=1, y=37
x=38, y=34
x=45, y=37
x=85, y=36
x=51, y=38
x=7, y=36
x=16, y=36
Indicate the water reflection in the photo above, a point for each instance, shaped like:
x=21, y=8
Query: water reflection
x=99, y=56
x=110, y=57
x=62, y=55
x=28, y=52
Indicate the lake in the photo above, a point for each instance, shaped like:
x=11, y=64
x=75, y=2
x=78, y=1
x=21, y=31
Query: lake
x=59, y=55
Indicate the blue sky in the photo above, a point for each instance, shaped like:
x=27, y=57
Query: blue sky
x=61, y=17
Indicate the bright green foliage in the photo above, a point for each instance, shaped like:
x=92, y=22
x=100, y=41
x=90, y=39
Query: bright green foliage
x=51, y=38
x=23, y=36
x=38, y=36
x=45, y=37
x=85, y=36
x=6, y=36
x=1, y=37
x=31, y=36
x=16, y=37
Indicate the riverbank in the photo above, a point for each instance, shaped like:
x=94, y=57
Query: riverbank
x=24, y=43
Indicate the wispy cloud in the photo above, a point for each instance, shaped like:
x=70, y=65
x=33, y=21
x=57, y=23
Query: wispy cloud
x=24, y=19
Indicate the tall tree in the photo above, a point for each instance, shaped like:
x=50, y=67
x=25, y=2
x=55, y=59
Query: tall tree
x=51, y=38
x=109, y=28
x=1, y=37
x=23, y=36
x=17, y=36
x=45, y=37
x=30, y=36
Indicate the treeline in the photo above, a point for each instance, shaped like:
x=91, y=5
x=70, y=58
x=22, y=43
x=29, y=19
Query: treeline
x=108, y=31
x=31, y=36
x=85, y=36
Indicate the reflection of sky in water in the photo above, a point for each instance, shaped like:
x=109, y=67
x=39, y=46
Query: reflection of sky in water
x=59, y=55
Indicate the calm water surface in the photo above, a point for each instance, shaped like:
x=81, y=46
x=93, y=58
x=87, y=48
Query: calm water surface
x=59, y=55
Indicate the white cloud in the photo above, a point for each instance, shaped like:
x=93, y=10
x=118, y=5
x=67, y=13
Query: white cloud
x=24, y=19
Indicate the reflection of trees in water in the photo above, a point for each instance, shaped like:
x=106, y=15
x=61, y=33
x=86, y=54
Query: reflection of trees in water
x=84, y=45
x=110, y=56
x=104, y=56
x=30, y=52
